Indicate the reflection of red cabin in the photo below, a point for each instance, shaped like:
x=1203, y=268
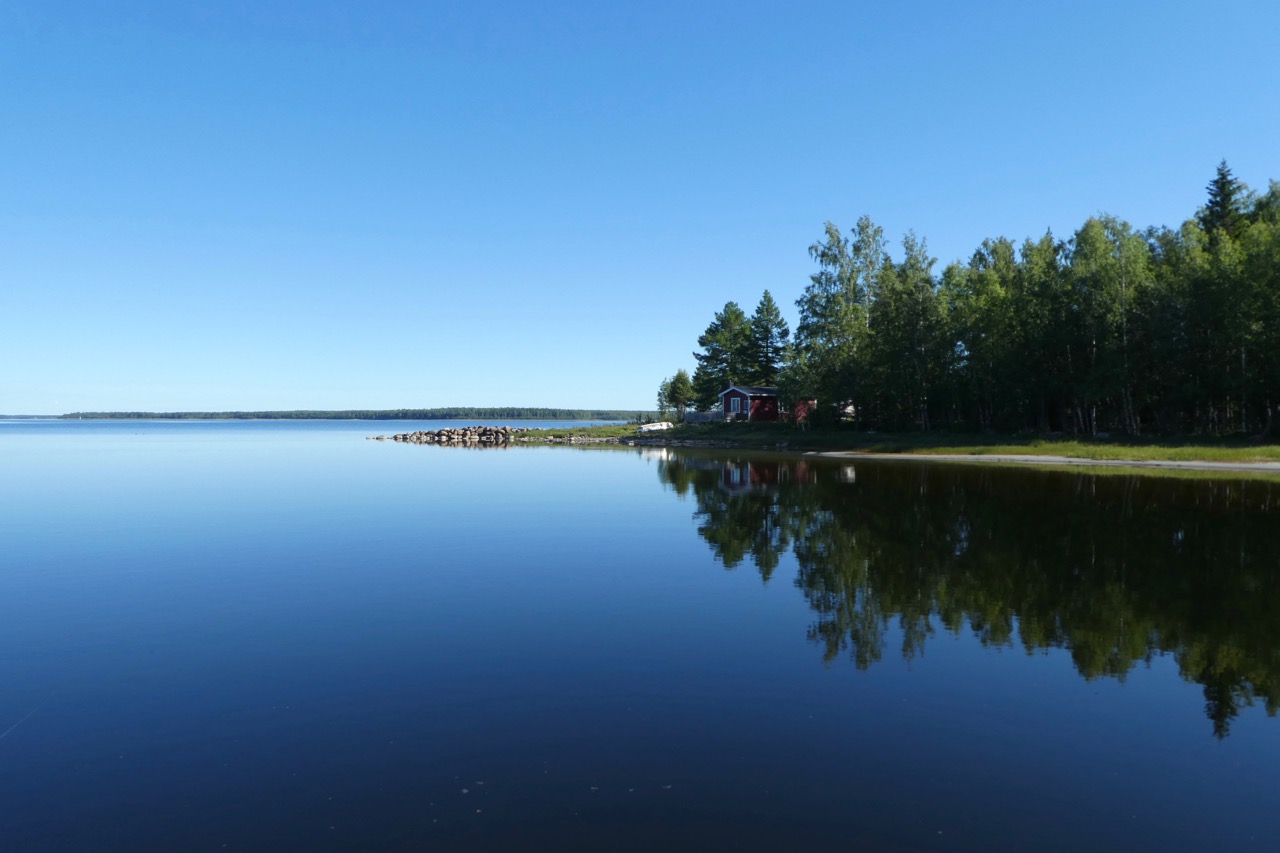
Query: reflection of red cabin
x=759, y=477
x=749, y=403
x=740, y=477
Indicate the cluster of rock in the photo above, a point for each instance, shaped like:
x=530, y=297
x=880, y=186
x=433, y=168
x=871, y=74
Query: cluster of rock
x=629, y=442
x=568, y=439
x=473, y=436
x=487, y=436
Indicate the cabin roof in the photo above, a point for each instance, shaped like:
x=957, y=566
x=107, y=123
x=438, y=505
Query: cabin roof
x=751, y=390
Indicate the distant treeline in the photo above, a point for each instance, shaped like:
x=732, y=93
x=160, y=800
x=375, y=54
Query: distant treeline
x=445, y=414
x=1111, y=330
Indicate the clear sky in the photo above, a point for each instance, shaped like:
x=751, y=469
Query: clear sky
x=277, y=205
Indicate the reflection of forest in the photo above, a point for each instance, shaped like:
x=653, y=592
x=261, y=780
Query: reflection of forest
x=1113, y=568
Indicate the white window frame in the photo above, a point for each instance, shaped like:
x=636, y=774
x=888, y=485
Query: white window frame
x=735, y=405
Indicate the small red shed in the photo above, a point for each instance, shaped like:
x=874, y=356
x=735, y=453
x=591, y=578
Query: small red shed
x=749, y=403
x=802, y=409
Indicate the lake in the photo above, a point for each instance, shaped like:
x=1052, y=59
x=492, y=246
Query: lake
x=267, y=635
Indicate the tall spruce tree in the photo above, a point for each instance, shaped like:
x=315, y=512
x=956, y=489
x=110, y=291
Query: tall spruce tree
x=1224, y=211
x=769, y=335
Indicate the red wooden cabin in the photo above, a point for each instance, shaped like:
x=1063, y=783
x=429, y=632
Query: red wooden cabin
x=749, y=403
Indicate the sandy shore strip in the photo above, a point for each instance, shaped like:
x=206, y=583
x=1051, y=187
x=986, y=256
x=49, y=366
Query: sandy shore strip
x=1032, y=459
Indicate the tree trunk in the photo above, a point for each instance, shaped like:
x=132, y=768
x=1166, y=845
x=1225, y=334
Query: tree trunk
x=1244, y=395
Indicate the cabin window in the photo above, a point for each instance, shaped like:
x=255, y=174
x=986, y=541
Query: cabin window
x=735, y=405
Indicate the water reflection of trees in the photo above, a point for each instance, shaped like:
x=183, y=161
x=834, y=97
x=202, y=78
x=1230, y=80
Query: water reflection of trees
x=1114, y=569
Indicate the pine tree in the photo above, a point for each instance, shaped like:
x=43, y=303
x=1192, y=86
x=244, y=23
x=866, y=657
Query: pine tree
x=724, y=358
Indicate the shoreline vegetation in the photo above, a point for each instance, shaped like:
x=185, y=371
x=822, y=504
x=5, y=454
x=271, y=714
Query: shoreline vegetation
x=1114, y=330
x=1201, y=454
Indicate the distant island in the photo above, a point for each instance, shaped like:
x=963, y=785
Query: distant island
x=444, y=414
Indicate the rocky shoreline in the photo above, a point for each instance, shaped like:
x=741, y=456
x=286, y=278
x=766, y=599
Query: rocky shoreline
x=481, y=436
x=645, y=441
x=485, y=436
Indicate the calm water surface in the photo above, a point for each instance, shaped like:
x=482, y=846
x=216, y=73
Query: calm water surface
x=264, y=635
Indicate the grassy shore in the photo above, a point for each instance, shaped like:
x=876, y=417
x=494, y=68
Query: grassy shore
x=775, y=435
x=609, y=431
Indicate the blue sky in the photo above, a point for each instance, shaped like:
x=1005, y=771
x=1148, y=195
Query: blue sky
x=277, y=205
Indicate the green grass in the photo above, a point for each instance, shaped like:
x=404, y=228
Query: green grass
x=775, y=435
x=1162, y=473
x=1110, y=449
x=610, y=431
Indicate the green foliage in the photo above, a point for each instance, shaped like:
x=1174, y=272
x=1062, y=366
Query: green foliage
x=680, y=392
x=908, y=351
x=799, y=380
x=1113, y=331
x=664, y=404
x=675, y=394
x=767, y=344
x=725, y=356
x=1225, y=210
x=739, y=351
x=834, y=322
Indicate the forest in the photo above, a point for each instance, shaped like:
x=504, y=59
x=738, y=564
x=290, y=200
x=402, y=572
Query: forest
x=1162, y=331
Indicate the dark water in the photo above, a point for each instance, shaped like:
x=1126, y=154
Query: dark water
x=266, y=636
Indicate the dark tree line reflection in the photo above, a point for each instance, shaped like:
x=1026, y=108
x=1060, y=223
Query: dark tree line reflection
x=1114, y=569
